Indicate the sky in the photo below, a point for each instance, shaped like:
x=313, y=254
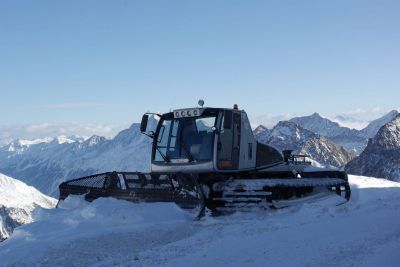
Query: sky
x=105, y=63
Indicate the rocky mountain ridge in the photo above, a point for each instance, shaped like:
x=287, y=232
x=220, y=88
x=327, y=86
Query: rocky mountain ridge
x=351, y=139
x=288, y=135
x=381, y=157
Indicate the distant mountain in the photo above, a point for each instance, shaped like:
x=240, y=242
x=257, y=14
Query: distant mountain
x=317, y=124
x=372, y=129
x=381, y=157
x=45, y=165
x=18, y=202
x=20, y=145
x=261, y=132
x=260, y=129
x=289, y=135
x=350, y=139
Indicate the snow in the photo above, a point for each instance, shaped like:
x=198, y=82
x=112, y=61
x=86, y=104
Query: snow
x=373, y=127
x=106, y=232
x=92, y=229
x=18, y=203
x=14, y=193
x=24, y=142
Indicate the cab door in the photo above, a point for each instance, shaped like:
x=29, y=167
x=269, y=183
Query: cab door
x=228, y=148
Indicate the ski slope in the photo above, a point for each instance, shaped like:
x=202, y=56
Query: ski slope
x=109, y=232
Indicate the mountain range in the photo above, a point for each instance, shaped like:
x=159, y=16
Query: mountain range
x=287, y=135
x=351, y=139
x=45, y=163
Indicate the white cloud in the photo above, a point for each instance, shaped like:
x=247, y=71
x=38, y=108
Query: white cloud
x=359, y=118
x=37, y=127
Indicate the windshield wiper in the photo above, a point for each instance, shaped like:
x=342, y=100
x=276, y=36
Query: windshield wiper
x=183, y=144
x=165, y=157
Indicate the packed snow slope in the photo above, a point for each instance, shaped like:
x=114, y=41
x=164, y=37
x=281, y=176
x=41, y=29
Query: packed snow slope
x=109, y=232
x=18, y=202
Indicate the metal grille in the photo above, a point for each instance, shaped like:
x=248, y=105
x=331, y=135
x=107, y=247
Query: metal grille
x=96, y=181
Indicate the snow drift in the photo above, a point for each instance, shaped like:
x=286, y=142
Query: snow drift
x=363, y=232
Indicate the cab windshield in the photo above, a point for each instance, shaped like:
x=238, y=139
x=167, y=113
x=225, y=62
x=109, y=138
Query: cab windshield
x=189, y=139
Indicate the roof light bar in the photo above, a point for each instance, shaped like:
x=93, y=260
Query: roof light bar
x=185, y=113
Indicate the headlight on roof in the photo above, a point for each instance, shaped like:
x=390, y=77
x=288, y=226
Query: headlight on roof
x=192, y=112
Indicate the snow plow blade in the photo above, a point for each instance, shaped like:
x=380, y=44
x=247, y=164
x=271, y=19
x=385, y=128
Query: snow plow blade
x=181, y=189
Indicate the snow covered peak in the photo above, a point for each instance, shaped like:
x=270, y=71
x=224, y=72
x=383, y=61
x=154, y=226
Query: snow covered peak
x=319, y=125
x=261, y=133
x=62, y=139
x=288, y=130
x=287, y=135
x=260, y=129
x=18, y=201
x=388, y=137
x=374, y=126
x=94, y=140
x=316, y=115
x=20, y=145
x=24, y=142
x=17, y=193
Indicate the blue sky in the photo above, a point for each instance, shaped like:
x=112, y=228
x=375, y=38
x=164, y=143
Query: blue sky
x=107, y=62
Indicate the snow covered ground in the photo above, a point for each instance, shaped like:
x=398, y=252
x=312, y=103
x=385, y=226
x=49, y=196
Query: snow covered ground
x=107, y=232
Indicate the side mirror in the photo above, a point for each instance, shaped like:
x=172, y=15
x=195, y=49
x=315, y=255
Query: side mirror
x=228, y=115
x=143, y=124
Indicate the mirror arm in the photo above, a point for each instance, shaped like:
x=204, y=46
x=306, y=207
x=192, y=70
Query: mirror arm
x=156, y=114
